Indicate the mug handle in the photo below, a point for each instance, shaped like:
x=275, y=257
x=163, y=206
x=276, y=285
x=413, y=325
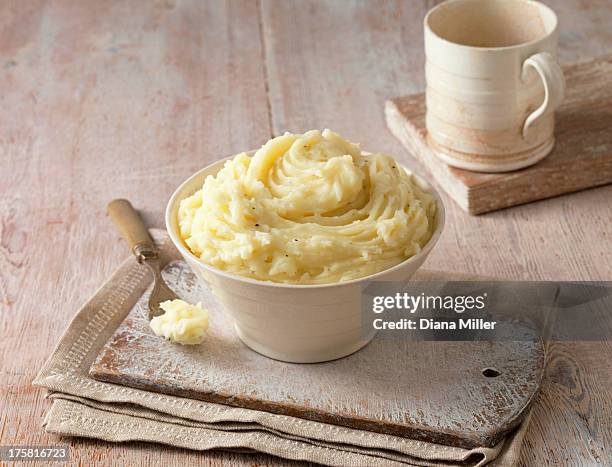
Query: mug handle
x=554, y=85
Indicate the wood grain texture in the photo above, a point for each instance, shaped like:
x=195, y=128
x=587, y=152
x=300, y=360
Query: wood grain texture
x=581, y=158
x=387, y=387
x=108, y=99
x=573, y=408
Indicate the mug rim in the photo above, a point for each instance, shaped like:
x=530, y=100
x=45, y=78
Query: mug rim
x=535, y=3
x=186, y=253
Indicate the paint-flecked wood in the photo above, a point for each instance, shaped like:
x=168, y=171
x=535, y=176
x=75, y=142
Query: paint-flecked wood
x=581, y=158
x=387, y=387
x=106, y=99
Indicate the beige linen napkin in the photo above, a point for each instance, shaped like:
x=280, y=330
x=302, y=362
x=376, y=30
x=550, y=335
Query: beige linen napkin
x=82, y=406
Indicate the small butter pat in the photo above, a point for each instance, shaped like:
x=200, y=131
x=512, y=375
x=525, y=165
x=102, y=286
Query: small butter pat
x=182, y=322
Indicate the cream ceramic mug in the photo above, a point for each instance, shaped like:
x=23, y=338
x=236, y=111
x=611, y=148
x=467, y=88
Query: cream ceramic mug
x=493, y=83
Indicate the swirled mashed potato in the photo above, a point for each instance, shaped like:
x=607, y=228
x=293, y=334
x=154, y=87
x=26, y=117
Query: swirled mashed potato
x=307, y=209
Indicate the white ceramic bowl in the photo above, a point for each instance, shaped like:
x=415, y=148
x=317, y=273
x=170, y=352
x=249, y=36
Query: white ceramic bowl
x=293, y=323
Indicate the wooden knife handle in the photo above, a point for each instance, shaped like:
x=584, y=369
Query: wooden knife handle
x=132, y=228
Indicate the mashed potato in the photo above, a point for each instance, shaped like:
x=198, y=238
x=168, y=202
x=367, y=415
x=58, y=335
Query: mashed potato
x=182, y=322
x=307, y=209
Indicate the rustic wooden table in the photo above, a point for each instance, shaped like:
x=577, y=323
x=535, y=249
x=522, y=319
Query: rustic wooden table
x=104, y=99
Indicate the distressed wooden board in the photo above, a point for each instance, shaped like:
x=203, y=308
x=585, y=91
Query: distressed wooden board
x=434, y=391
x=581, y=158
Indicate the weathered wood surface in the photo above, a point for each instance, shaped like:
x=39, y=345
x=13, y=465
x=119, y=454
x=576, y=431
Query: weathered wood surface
x=386, y=387
x=581, y=158
x=108, y=99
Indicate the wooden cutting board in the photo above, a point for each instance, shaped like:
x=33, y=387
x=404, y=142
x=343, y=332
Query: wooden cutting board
x=581, y=158
x=433, y=391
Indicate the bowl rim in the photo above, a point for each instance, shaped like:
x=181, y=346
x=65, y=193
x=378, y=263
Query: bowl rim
x=187, y=254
